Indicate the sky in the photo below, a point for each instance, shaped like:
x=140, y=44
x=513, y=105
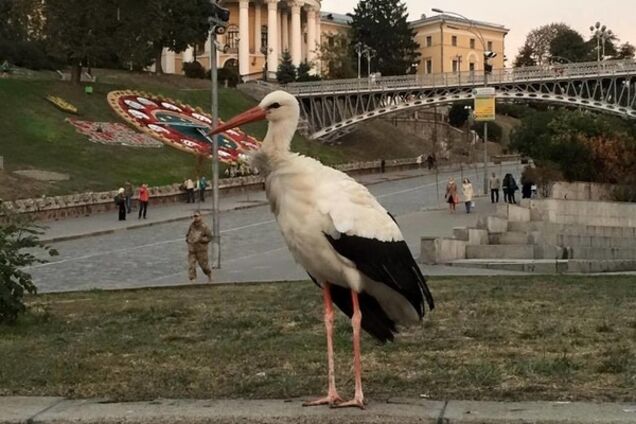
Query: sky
x=520, y=17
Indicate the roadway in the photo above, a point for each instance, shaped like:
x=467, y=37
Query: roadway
x=252, y=247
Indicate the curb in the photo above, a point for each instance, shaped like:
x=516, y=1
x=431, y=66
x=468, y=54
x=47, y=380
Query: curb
x=389, y=411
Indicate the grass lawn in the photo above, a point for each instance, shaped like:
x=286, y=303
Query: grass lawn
x=527, y=338
x=34, y=135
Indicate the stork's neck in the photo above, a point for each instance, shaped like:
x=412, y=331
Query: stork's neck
x=279, y=136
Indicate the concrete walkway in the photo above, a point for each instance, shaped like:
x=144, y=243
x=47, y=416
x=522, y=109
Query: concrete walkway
x=32, y=410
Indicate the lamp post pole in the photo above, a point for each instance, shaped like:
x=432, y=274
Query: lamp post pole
x=473, y=28
x=216, y=234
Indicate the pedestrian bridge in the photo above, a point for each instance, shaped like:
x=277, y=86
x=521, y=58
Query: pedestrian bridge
x=330, y=109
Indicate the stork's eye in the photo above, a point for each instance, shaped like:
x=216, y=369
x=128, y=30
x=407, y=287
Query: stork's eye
x=274, y=106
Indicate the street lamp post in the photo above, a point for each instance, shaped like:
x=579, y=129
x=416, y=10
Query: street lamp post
x=360, y=47
x=602, y=34
x=487, y=55
x=370, y=54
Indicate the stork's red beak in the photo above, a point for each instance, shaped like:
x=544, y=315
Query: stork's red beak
x=254, y=114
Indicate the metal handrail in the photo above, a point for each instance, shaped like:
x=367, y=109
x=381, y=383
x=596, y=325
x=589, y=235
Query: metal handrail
x=466, y=78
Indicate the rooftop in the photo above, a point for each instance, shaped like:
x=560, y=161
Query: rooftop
x=451, y=18
x=337, y=18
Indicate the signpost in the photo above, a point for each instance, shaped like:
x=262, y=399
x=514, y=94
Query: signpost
x=484, y=112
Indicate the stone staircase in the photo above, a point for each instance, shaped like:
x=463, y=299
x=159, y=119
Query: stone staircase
x=533, y=238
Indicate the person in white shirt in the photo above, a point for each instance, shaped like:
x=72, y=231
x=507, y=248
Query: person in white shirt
x=468, y=192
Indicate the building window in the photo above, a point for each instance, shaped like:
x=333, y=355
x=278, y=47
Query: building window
x=490, y=46
x=456, y=64
x=472, y=43
x=232, y=38
x=454, y=40
x=199, y=49
x=330, y=41
x=264, y=37
x=429, y=41
x=429, y=66
x=305, y=38
x=471, y=66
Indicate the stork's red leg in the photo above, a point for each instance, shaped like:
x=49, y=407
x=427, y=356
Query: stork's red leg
x=356, y=319
x=332, y=397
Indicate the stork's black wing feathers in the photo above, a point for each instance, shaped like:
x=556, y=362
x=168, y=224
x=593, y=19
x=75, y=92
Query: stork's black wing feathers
x=374, y=319
x=388, y=262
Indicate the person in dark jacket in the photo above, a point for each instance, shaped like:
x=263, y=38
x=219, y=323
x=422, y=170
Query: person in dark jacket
x=120, y=201
x=509, y=187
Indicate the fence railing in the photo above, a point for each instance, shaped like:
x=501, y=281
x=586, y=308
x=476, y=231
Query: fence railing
x=467, y=78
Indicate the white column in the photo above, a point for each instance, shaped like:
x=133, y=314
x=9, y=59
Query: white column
x=285, y=31
x=280, y=32
x=272, y=36
x=257, y=27
x=188, y=54
x=296, y=36
x=311, y=35
x=244, y=37
x=318, y=42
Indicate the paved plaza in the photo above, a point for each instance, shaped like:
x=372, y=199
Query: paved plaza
x=99, y=252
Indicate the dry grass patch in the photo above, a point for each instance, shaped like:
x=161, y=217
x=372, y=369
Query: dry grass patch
x=550, y=338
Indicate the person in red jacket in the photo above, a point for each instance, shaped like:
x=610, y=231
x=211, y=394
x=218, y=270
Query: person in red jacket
x=144, y=195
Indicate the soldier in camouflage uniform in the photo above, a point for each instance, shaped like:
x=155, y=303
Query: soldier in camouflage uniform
x=198, y=237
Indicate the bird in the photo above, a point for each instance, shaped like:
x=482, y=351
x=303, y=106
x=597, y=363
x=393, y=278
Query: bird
x=350, y=246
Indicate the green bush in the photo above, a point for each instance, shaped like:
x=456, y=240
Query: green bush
x=26, y=54
x=494, y=131
x=193, y=70
x=18, y=238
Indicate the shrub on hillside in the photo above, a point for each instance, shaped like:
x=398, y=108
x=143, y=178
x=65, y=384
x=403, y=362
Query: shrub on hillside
x=26, y=54
x=193, y=70
x=227, y=76
x=494, y=131
x=18, y=237
x=544, y=175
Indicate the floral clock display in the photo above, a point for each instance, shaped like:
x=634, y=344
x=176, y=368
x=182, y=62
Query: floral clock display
x=178, y=125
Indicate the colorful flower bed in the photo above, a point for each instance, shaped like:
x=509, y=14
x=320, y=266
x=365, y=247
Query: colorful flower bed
x=62, y=104
x=178, y=125
x=112, y=133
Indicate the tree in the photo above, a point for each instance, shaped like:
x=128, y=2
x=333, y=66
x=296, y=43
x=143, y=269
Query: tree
x=570, y=45
x=336, y=57
x=182, y=23
x=536, y=49
x=303, y=72
x=382, y=25
x=525, y=58
x=79, y=31
x=18, y=238
x=286, y=72
x=625, y=51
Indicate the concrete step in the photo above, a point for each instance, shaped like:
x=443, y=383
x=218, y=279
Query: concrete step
x=471, y=236
x=492, y=224
x=573, y=229
x=577, y=241
x=513, y=213
x=500, y=251
x=510, y=237
x=545, y=266
x=600, y=253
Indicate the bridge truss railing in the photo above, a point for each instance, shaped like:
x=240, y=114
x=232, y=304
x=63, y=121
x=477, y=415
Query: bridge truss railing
x=466, y=78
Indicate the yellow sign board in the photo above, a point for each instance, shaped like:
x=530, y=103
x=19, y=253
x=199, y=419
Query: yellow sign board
x=484, y=104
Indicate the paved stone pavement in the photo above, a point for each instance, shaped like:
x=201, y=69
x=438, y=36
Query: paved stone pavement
x=19, y=410
x=152, y=253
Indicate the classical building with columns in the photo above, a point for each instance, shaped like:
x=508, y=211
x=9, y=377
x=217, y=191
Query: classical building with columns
x=259, y=31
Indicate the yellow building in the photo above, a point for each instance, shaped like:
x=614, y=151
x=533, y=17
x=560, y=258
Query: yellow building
x=259, y=31
x=450, y=44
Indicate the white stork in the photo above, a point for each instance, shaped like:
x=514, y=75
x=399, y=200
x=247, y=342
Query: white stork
x=347, y=242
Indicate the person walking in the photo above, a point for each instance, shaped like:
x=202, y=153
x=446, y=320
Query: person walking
x=451, y=195
x=189, y=186
x=203, y=184
x=468, y=192
x=198, y=237
x=144, y=196
x=494, y=185
x=128, y=194
x=120, y=201
x=509, y=187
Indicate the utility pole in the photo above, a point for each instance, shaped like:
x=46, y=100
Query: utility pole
x=218, y=23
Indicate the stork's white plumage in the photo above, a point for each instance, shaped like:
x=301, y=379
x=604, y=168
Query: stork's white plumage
x=346, y=241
